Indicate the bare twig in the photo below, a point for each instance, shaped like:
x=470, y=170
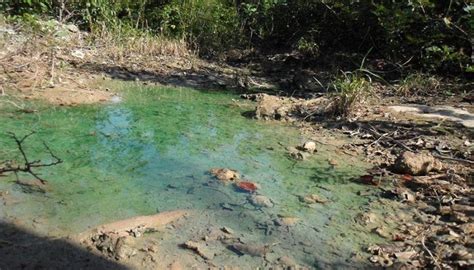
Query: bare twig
x=454, y=159
x=29, y=165
x=374, y=131
x=429, y=252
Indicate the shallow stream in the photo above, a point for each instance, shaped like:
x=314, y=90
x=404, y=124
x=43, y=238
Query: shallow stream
x=152, y=151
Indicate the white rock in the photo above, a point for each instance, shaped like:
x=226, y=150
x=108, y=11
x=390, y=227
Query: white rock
x=78, y=54
x=309, y=146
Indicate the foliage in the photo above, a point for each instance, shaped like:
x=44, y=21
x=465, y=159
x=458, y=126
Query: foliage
x=431, y=35
x=209, y=25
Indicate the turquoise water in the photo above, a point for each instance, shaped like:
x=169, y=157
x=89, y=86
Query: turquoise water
x=152, y=153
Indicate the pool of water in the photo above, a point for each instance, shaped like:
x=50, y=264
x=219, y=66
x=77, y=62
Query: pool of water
x=152, y=152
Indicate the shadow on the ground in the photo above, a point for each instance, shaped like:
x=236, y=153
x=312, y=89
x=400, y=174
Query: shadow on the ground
x=203, y=79
x=20, y=249
x=275, y=78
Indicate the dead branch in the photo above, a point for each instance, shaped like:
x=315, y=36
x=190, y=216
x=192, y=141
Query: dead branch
x=454, y=159
x=29, y=166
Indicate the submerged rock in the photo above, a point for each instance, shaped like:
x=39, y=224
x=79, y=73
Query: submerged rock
x=200, y=249
x=287, y=262
x=254, y=249
x=286, y=221
x=260, y=201
x=247, y=186
x=225, y=174
x=416, y=163
x=297, y=154
x=313, y=198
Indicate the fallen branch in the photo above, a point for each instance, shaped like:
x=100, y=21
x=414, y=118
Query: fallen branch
x=454, y=159
x=29, y=166
x=429, y=252
x=374, y=132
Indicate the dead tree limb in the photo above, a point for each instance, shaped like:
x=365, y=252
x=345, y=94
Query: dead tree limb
x=28, y=166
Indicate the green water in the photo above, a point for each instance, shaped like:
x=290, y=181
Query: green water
x=152, y=153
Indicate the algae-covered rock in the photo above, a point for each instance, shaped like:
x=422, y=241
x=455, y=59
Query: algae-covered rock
x=260, y=201
x=313, y=198
x=297, y=154
x=286, y=221
x=252, y=249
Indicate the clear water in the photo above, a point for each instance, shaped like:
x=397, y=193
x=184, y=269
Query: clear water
x=152, y=153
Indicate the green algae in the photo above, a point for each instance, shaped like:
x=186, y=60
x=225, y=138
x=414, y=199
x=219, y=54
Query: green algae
x=152, y=153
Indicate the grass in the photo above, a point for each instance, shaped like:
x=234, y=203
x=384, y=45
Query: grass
x=418, y=84
x=122, y=42
x=40, y=54
x=350, y=90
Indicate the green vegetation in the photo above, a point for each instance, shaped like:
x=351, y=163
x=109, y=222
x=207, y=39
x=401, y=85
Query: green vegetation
x=418, y=84
x=351, y=89
x=429, y=35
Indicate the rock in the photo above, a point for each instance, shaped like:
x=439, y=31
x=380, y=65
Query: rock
x=405, y=256
x=467, y=228
x=287, y=261
x=255, y=250
x=286, y=221
x=366, y=219
x=78, y=54
x=123, y=248
x=260, y=201
x=382, y=232
x=313, y=198
x=227, y=230
x=105, y=243
x=309, y=147
x=224, y=174
x=271, y=107
x=252, y=97
x=297, y=154
x=332, y=162
x=416, y=164
x=405, y=195
x=247, y=186
x=278, y=108
x=72, y=28
x=132, y=226
x=200, y=249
